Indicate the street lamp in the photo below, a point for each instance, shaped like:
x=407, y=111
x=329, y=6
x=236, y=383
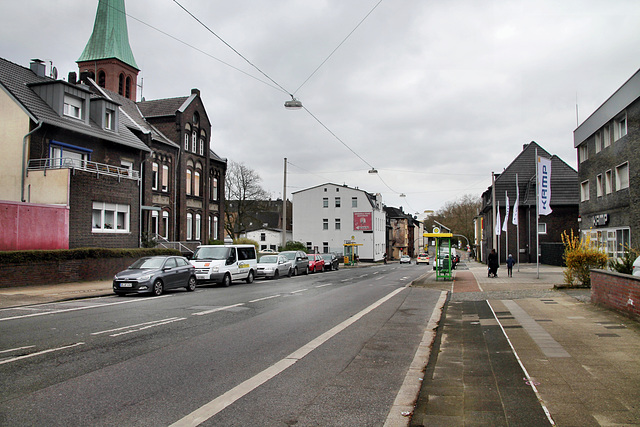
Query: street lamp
x=373, y=170
x=293, y=104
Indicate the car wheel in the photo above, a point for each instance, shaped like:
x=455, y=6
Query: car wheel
x=276, y=275
x=191, y=284
x=295, y=271
x=290, y=273
x=226, y=280
x=306, y=271
x=158, y=287
x=249, y=278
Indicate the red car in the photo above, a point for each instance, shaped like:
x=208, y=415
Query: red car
x=316, y=263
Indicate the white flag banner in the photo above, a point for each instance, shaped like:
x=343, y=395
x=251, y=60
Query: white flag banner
x=506, y=214
x=498, y=228
x=514, y=220
x=544, y=186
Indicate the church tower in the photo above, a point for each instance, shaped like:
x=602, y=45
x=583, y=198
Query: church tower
x=107, y=57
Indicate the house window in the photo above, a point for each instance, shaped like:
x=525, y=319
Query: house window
x=194, y=141
x=125, y=164
x=186, y=141
x=110, y=218
x=309, y=246
x=354, y=202
x=215, y=227
x=64, y=155
x=542, y=228
x=620, y=126
x=198, y=225
x=337, y=223
x=154, y=176
x=109, y=119
x=72, y=106
x=622, y=176
x=165, y=225
x=608, y=182
x=583, y=152
x=337, y=202
x=154, y=222
x=325, y=224
x=188, y=189
x=598, y=142
x=189, y=226
x=165, y=178
x=599, y=187
x=196, y=184
x=121, y=84
x=325, y=202
x=263, y=237
x=102, y=78
x=584, y=191
x=201, y=146
x=325, y=247
x=606, y=136
x=127, y=88
x=214, y=189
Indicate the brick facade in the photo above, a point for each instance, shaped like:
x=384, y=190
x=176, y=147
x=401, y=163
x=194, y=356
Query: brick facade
x=618, y=291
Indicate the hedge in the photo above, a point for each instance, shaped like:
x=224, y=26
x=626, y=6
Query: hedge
x=20, y=257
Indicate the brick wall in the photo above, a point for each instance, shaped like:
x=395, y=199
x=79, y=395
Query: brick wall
x=618, y=291
x=54, y=272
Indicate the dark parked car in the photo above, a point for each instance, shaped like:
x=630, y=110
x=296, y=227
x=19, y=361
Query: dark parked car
x=299, y=260
x=316, y=263
x=154, y=275
x=331, y=261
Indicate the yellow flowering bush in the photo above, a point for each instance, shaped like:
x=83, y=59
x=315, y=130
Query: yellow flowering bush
x=579, y=258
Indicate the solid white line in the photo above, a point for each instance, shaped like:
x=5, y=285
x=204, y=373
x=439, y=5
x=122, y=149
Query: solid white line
x=66, y=310
x=39, y=353
x=131, y=326
x=526, y=373
x=322, y=286
x=265, y=298
x=300, y=290
x=176, y=319
x=210, y=409
x=202, y=313
x=16, y=349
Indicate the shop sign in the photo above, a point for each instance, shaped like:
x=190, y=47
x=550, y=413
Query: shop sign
x=601, y=219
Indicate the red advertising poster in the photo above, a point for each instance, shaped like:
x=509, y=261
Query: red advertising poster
x=362, y=221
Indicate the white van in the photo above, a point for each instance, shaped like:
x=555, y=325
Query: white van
x=223, y=264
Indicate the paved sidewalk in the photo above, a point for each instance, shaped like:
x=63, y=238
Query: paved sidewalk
x=514, y=351
x=27, y=295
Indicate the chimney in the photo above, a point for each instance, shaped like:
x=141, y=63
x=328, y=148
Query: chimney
x=38, y=67
x=72, y=77
x=195, y=92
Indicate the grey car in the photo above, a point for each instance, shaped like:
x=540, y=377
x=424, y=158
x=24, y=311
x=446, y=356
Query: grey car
x=153, y=275
x=273, y=266
x=299, y=260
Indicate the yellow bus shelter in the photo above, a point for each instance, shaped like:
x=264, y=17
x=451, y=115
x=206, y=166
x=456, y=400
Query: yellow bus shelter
x=442, y=261
x=351, y=253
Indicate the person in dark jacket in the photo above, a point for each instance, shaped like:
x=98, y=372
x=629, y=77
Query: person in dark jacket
x=510, y=262
x=493, y=263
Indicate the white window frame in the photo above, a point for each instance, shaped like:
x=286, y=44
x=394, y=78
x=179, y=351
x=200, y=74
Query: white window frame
x=620, y=126
x=165, y=178
x=583, y=152
x=542, y=228
x=584, y=191
x=109, y=119
x=106, y=217
x=194, y=141
x=155, y=222
x=354, y=202
x=338, y=202
x=325, y=223
x=215, y=227
x=325, y=202
x=186, y=141
x=188, y=183
x=622, y=176
x=201, y=146
x=606, y=135
x=189, y=226
x=155, y=170
x=198, y=226
x=165, y=224
x=214, y=188
x=73, y=107
x=608, y=182
x=599, y=186
x=196, y=184
x=337, y=223
x=598, y=139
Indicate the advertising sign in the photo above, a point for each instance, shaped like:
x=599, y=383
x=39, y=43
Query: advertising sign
x=362, y=221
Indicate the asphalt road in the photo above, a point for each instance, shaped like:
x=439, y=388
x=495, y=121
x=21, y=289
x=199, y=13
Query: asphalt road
x=330, y=348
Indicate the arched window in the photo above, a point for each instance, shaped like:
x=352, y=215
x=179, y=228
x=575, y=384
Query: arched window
x=154, y=176
x=187, y=129
x=121, y=84
x=189, y=226
x=154, y=222
x=188, y=184
x=215, y=227
x=165, y=225
x=203, y=137
x=198, y=226
x=127, y=88
x=102, y=78
x=194, y=141
x=214, y=189
x=196, y=184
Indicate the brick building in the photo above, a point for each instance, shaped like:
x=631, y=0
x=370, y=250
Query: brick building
x=608, y=144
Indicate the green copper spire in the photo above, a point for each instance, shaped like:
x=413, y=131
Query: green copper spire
x=110, y=38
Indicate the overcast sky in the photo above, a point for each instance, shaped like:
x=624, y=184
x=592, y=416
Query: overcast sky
x=433, y=94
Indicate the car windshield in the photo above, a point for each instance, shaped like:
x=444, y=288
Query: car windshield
x=326, y=257
x=148, y=263
x=289, y=255
x=269, y=259
x=211, y=253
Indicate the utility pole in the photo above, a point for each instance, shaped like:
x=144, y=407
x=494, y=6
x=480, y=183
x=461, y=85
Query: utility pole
x=284, y=206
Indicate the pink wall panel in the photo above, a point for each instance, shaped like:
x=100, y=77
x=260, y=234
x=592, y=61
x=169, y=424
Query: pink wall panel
x=25, y=226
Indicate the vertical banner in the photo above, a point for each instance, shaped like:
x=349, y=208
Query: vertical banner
x=506, y=214
x=544, y=186
x=514, y=220
x=498, y=228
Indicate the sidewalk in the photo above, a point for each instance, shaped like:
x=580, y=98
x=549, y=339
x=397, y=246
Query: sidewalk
x=26, y=295
x=513, y=351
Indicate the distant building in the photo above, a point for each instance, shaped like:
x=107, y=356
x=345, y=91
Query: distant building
x=608, y=146
x=265, y=224
x=564, y=204
x=327, y=216
x=404, y=234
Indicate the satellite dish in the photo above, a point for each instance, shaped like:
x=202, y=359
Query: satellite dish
x=54, y=73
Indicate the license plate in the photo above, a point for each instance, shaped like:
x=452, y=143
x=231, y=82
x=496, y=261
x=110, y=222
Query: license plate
x=126, y=285
x=201, y=276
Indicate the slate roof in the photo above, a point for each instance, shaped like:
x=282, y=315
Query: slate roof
x=110, y=37
x=163, y=107
x=565, y=189
x=15, y=80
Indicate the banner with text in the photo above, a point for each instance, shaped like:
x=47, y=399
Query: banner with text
x=362, y=221
x=544, y=186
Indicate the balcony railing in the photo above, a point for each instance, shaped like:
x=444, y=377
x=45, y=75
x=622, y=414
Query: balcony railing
x=83, y=165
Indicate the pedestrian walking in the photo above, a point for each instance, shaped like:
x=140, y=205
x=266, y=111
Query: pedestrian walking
x=493, y=263
x=510, y=262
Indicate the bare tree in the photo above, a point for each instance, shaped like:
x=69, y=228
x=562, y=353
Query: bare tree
x=457, y=215
x=243, y=197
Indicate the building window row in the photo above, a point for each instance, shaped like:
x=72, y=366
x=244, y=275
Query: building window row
x=159, y=180
x=160, y=224
x=610, y=132
x=604, y=184
x=110, y=218
x=194, y=140
x=613, y=241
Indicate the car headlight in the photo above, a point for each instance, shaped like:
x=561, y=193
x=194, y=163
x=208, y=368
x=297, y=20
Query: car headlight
x=215, y=269
x=144, y=278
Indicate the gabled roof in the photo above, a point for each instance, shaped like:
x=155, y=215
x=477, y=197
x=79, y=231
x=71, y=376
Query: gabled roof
x=564, y=179
x=110, y=37
x=163, y=107
x=17, y=81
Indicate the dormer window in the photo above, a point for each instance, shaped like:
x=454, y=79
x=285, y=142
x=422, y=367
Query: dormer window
x=109, y=119
x=72, y=107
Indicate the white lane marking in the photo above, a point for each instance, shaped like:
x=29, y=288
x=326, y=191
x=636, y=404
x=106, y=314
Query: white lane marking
x=214, y=310
x=210, y=409
x=165, y=322
x=322, y=286
x=265, y=298
x=131, y=326
x=16, y=349
x=300, y=290
x=13, y=359
x=530, y=380
x=379, y=278
x=345, y=280
x=67, y=310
